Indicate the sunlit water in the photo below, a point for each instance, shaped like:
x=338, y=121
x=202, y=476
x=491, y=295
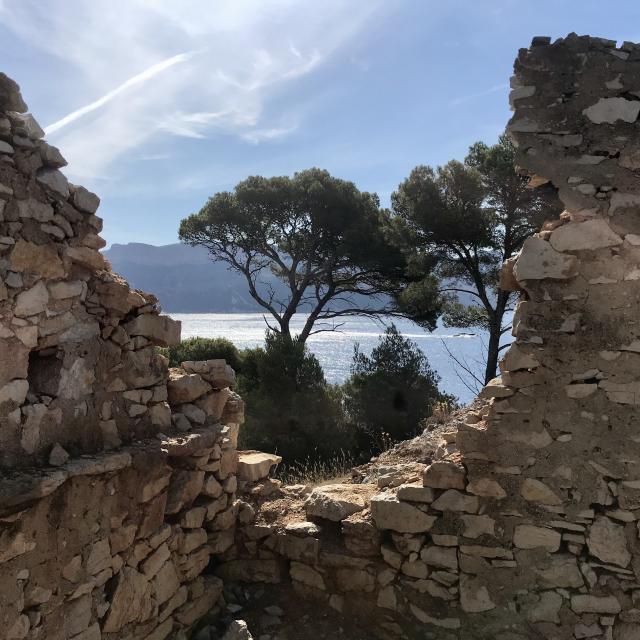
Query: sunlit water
x=335, y=349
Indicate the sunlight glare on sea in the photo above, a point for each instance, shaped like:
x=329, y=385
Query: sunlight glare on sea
x=335, y=349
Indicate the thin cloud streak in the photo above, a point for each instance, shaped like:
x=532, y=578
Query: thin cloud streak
x=244, y=59
x=481, y=94
x=144, y=76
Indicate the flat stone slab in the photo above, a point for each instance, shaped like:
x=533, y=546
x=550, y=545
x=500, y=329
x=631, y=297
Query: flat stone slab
x=256, y=465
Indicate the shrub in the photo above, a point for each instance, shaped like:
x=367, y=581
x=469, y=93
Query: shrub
x=290, y=409
x=390, y=392
x=204, y=349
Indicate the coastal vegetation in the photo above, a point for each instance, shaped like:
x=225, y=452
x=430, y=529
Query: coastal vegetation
x=316, y=244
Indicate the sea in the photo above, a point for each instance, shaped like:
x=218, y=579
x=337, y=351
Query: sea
x=452, y=353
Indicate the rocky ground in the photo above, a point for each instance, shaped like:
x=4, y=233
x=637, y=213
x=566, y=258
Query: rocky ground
x=278, y=614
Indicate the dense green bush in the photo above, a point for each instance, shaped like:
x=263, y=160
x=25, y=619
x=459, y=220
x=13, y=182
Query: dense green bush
x=204, y=349
x=290, y=409
x=391, y=392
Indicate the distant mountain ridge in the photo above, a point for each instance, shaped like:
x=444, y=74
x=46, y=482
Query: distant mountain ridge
x=184, y=278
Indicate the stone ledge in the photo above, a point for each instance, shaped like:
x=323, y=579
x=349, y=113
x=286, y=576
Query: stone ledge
x=23, y=487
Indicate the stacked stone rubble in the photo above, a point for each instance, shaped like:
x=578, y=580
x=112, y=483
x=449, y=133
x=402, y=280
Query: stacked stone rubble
x=526, y=523
x=117, y=474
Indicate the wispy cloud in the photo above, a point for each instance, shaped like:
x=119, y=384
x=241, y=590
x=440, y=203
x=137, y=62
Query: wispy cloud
x=480, y=94
x=256, y=136
x=146, y=75
x=135, y=70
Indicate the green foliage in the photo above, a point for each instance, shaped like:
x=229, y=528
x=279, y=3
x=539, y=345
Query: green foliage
x=290, y=409
x=204, y=349
x=312, y=243
x=391, y=391
x=468, y=217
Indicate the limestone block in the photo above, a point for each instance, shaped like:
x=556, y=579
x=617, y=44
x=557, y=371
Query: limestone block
x=153, y=563
x=255, y=465
x=35, y=209
x=486, y=488
x=194, y=414
x=40, y=259
x=32, y=301
x=160, y=415
x=608, y=542
x=19, y=629
x=54, y=180
x=28, y=123
x=217, y=372
x=495, y=389
x=237, y=630
x=527, y=536
x=538, y=260
x=595, y=604
x=389, y=513
x=584, y=236
x=348, y=579
x=14, y=392
x=415, y=493
x=213, y=403
x=391, y=556
x=307, y=575
x=476, y=526
x=453, y=500
x=336, y=502
x=441, y=557
x=546, y=608
x=128, y=600
x=192, y=540
x=184, y=487
x=444, y=475
x=88, y=258
x=561, y=572
x=620, y=200
x=534, y=490
x=610, y=110
x=212, y=487
x=84, y=200
x=184, y=387
x=516, y=359
x=474, y=595
x=387, y=598
x=161, y=330
x=415, y=569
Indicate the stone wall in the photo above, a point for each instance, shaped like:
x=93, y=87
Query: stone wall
x=521, y=519
x=117, y=473
x=517, y=520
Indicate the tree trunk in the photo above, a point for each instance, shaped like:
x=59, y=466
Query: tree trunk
x=492, y=352
x=495, y=333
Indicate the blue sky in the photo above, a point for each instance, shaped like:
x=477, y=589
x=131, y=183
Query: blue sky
x=158, y=104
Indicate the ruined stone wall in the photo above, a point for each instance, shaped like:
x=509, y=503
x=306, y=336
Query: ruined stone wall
x=117, y=474
x=525, y=522
x=77, y=360
x=516, y=521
